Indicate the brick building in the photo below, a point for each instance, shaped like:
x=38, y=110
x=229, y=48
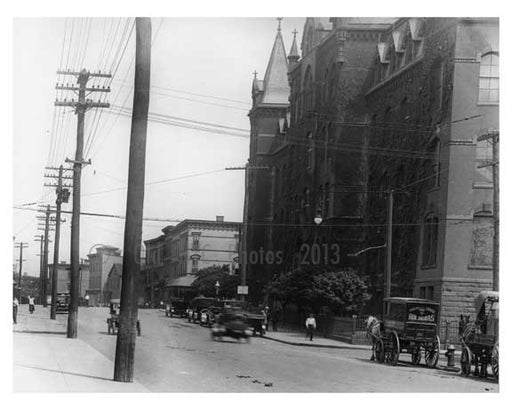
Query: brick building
x=174, y=258
x=377, y=105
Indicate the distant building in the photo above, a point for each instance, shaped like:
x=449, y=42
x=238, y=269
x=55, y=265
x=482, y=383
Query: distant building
x=112, y=288
x=100, y=264
x=64, y=278
x=183, y=250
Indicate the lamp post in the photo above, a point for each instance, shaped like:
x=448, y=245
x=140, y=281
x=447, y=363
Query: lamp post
x=217, y=286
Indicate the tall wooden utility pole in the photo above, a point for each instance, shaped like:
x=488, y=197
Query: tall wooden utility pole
x=494, y=136
x=81, y=106
x=46, y=227
x=62, y=196
x=40, y=238
x=125, y=345
x=20, y=246
x=389, y=243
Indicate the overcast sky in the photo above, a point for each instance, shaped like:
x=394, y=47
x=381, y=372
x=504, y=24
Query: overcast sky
x=201, y=71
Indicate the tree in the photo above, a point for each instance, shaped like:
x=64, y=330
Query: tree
x=342, y=291
x=208, y=277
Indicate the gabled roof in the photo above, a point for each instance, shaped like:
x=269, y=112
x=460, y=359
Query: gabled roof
x=275, y=83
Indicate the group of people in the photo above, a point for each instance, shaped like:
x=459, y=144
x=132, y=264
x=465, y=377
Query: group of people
x=15, y=306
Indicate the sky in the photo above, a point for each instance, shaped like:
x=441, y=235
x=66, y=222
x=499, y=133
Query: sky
x=201, y=71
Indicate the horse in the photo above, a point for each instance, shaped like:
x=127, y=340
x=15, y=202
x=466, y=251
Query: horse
x=372, y=332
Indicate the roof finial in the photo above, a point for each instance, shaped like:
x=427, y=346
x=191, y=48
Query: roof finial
x=279, y=26
x=255, y=74
x=294, y=32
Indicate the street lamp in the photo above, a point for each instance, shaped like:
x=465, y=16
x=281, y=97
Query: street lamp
x=217, y=286
x=318, y=219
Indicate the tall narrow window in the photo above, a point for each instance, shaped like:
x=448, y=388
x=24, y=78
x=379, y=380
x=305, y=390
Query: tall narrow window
x=195, y=241
x=310, y=154
x=483, y=173
x=430, y=235
x=308, y=91
x=489, y=86
x=435, y=151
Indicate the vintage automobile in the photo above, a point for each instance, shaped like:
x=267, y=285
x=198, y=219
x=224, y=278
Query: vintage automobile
x=176, y=308
x=209, y=315
x=410, y=325
x=480, y=341
x=196, y=305
x=62, y=302
x=113, y=320
x=231, y=323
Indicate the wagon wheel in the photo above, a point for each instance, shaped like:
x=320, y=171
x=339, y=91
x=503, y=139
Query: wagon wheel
x=432, y=353
x=495, y=360
x=394, y=349
x=379, y=351
x=465, y=361
x=416, y=356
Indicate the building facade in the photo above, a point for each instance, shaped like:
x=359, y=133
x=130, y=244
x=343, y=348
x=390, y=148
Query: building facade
x=64, y=278
x=100, y=264
x=112, y=288
x=379, y=106
x=186, y=248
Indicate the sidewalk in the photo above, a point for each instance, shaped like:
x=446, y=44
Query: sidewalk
x=45, y=361
x=299, y=339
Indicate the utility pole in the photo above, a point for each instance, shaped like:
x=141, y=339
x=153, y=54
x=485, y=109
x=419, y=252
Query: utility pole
x=243, y=239
x=81, y=106
x=20, y=246
x=62, y=196
x=389, y=243
x=494, y=136
x=47, y=228
x=40, y=238
x=125, y=344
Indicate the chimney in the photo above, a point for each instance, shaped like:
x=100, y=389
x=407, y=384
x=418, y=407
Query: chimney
x=220, y=218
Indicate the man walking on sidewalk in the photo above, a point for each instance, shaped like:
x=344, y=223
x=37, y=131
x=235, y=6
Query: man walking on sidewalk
x=31, y=304
x=310, y=326
x=15, y=304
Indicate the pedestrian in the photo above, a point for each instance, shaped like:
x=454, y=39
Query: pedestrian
x=15, y=305
x=310, y=326
x=275, y=317
x=87, y=300
x=31, y=304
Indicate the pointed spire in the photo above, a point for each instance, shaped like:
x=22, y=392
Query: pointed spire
x=279, y=23
x=294, y=56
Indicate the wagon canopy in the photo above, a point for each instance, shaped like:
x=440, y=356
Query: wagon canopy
x=486, y=296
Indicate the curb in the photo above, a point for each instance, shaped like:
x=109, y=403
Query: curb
x=352, y=347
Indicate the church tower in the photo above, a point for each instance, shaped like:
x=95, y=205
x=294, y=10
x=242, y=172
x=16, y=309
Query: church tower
x=270, y=103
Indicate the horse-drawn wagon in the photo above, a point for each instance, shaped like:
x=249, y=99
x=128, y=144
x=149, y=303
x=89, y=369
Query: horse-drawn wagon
x=410, y=326
x=480, y=345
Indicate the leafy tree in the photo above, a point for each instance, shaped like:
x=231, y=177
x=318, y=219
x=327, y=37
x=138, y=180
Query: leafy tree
x=208, y=277
x=342, y=291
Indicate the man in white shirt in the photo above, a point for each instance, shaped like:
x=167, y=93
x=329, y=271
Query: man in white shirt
x=310, y=326
x=15, y=304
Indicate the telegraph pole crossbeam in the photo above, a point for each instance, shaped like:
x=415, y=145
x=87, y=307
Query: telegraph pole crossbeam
x=81, y=105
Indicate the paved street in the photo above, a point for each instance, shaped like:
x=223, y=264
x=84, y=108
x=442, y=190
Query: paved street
x=173, y=355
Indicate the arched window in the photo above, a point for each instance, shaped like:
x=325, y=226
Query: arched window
x=308, y=90
x=430, y=235
x=489, y=86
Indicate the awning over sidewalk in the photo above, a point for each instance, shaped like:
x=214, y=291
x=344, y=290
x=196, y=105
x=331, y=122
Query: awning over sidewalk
x=181, y=282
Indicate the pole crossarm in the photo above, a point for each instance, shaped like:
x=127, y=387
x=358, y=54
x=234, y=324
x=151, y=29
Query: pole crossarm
x=57, y=185
x=56, y=176
x=98, y=74
x=87, y=104
x=89, y=89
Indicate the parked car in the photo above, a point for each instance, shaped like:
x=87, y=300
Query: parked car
x=176, y=308
x=209, y=315
x=62, y=302
x=196, y=305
